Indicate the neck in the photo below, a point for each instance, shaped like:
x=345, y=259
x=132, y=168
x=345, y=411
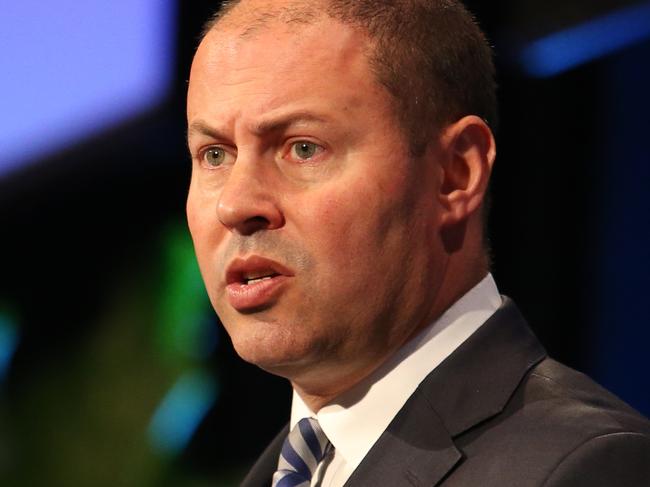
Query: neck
x=355, y=383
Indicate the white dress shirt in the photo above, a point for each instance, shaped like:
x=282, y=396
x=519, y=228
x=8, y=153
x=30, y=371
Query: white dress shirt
x=354, y=422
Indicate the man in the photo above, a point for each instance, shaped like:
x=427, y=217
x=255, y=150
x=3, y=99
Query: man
x=341, y=156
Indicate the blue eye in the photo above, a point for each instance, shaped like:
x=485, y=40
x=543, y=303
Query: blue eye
x=214, y=156
x=304, y=149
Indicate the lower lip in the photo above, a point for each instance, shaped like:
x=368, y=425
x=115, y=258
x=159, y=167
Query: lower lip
x=244, y=297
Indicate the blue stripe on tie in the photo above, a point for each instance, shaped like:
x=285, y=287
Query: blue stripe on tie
x=291, y=480
x=311, y=439
x=290, y=455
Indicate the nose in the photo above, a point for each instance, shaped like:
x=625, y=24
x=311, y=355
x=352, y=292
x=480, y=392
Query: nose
x=248, y=203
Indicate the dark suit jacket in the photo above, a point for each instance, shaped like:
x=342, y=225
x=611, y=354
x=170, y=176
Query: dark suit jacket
x=499, y=412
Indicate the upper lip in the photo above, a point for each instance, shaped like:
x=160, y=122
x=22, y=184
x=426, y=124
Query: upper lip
x=240, y=270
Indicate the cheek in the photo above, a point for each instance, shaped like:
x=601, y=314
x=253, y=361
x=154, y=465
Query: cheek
x=325, y=221
x=371, y=227
x=347, y=228
x=201, y=216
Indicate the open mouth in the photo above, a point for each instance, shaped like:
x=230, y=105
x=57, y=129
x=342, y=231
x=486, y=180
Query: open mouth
x=249, y=280
x=255, y=282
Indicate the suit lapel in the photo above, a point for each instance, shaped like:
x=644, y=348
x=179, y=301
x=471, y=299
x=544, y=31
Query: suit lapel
x=415, y=450
x=261, y=473
x=478, y=379
x=473, y=384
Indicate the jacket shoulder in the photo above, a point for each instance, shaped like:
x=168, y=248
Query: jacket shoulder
x=559, y=425
x=576, y=404
x=621, y=458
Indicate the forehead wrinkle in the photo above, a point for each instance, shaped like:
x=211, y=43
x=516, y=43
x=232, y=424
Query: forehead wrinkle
x=261, y=127
x=281, y=122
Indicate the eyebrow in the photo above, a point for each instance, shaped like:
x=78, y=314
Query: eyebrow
x=262, y=127
x=282, y=122
x=201, y=127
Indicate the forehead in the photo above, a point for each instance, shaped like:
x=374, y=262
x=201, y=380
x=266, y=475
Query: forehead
x=280, y=62
x=274, y=42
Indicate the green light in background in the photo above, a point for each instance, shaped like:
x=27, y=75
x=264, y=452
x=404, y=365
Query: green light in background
x=187, y=326
x=187, y=334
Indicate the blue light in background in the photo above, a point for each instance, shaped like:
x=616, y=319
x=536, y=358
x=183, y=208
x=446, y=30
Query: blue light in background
x=586, y=42
x=8, y=343
x=181, y=412
x=72, y=68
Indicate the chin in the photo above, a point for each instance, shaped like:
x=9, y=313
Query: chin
x=270, y=348
x=285, y=365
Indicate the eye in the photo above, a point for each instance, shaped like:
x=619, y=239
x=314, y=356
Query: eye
x=305, y=150
x=215, y=156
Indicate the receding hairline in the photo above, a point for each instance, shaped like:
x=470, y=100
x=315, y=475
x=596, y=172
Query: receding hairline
x=250, y=20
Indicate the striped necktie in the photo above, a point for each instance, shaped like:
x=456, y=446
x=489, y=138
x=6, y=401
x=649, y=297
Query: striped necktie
x=302, y=451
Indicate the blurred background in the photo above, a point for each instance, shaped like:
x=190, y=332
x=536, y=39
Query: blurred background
x=114, y=370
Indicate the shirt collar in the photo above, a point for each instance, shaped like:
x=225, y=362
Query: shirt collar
x=355, y=421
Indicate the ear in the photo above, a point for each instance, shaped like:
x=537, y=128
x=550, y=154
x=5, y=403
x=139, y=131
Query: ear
x=468, y=153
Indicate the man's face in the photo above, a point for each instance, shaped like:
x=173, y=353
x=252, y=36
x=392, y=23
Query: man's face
x=313, y=227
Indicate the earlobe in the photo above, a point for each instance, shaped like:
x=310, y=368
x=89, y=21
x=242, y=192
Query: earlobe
x=469, y=151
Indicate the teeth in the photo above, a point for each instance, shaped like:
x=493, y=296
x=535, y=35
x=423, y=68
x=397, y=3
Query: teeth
x=259, y=279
